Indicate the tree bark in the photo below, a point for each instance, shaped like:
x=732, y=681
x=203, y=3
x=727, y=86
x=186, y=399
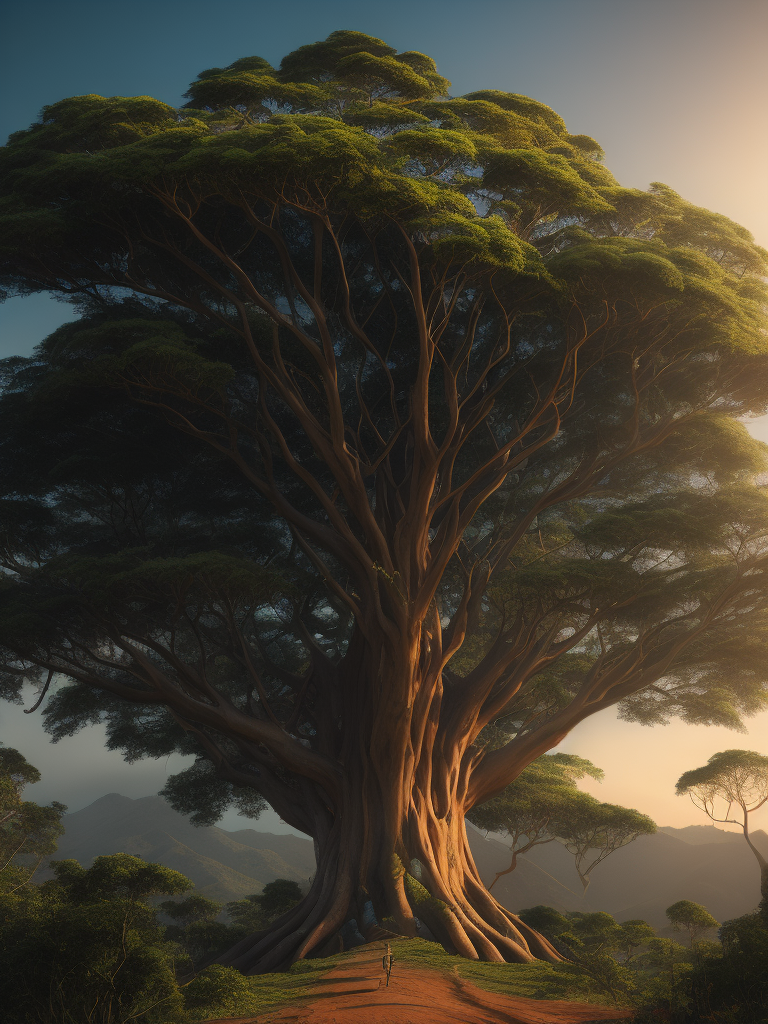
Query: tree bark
x=394, y=834
x=358, y=863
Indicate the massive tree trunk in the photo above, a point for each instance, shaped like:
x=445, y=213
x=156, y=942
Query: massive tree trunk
x=417, y=869
x=394, y=833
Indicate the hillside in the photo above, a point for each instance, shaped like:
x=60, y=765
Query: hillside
x=698, y=863
x=223, y=865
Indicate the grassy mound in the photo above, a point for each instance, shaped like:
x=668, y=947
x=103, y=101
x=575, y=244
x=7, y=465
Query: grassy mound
x=222, y=992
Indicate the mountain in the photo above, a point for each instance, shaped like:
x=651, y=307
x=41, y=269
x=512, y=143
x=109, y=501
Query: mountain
x=529, y=885
x=698, y=863
x=223, y=865
x=697, y=835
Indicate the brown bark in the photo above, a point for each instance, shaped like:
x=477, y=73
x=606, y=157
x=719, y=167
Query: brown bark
x=361, y=859
x=398, y=812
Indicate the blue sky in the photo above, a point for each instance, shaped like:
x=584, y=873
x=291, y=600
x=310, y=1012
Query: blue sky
x=674, y=90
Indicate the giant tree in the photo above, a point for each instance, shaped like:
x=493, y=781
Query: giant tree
x=457, y=463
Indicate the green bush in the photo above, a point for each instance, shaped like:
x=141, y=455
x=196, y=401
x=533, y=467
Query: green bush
x=220, y=992
x=87, y=947
x=729, y=984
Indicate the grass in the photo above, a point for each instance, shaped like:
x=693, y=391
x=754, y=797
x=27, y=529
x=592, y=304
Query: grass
x=537, y=980
x=275, y=989
x=220, y=992
x=243, y=996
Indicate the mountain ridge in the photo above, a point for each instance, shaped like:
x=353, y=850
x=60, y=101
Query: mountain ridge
x=222, y=866
x=697, y=862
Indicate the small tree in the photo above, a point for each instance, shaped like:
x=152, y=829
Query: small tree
x=544, y=805
x=728, y=788
x=195, y=927
x=631, y=937
x=195, y=909
x=275, y=899
x=527, y=811
x=692, y=917
x=247, y=913
x=28, y=832
x=592, y=831
x=279, y=896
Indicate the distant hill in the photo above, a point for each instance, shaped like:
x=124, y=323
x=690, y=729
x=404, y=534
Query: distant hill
x=698, y=863
x=223, y=865
x=529, y=885
x=698, y=835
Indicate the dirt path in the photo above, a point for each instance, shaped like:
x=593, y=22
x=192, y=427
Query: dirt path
x=356, y=993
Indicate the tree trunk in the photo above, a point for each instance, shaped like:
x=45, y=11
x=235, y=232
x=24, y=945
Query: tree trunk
x=395, y=837
x=356, y=866
x=763, y=863
x=393, y=831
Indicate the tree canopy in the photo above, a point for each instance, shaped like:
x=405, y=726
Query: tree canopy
x=544, y=805
x=394, y=439
x=691, y=916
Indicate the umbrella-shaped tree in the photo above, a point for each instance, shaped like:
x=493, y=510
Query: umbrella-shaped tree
x=457, y=444
x=728, y=788
x=544, y=805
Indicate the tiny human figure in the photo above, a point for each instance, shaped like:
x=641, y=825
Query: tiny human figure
x=386, y=962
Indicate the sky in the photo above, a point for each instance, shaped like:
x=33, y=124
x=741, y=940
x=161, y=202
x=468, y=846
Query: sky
x=674, y=91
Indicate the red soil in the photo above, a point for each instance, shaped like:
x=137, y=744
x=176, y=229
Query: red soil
x=356, y=993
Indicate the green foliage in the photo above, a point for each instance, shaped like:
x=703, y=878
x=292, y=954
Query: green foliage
x=195, y=929
x=722, y=983
x=247, y=913
x=220, y=992
x=544, y=805
x=630, y=937
x=591, y=932
x=739, y=776
x=541, y=791
x=275, y=899
x=86, y=946
x=603, y=957
x=279, y=896
x=191, y=910
x=117, y=876
x=28, y=832
x=694, y=918
x=733, y=986
x=657, y=976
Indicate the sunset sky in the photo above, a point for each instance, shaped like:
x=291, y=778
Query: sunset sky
x=674, y=91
